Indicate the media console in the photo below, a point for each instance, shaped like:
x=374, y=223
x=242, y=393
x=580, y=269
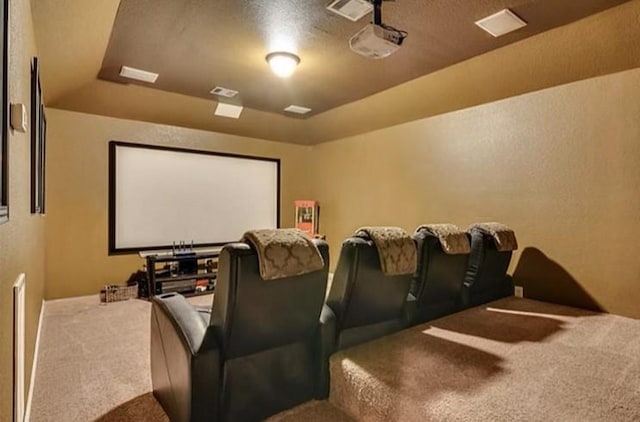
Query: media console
x=188, y=273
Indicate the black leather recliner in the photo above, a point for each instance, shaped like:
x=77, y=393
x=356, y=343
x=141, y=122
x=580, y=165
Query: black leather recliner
x=367, y=303
x=265, y=347
x=487, y=279
x=438, y=283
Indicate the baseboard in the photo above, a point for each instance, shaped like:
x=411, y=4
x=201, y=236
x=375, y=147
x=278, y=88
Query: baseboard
x=58, y=299
x=34, y=365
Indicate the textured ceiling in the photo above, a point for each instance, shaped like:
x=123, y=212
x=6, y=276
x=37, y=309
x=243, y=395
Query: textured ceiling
x=75, y=39
x=197, y=44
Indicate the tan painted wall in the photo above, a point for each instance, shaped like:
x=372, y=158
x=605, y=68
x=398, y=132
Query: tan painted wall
x=77, y=260
x=560, y=166
x=597, y=45
x=22, y=243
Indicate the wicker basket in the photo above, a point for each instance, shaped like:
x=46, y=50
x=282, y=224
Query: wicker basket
x=115, y=293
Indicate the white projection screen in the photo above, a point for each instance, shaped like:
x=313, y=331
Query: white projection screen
x=161, y=195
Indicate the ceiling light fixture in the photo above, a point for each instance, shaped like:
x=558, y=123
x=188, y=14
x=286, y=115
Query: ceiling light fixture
x=282, y=63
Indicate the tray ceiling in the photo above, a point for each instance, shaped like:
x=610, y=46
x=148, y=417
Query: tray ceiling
x=195, y=45
x=447, y=62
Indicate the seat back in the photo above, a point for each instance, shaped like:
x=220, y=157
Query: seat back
x=487, y=277
x=267, y=331
x=438, y=283
x=367, y=303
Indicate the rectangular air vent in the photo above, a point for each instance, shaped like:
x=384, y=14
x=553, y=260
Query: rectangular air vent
x=297, y=109
x=137, y=74
x=501, y=23
x=351, y=9
x=228, y=110
x=223, y=92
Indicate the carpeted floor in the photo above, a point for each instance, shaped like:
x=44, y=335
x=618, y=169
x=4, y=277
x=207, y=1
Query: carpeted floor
x=94, y=362
x=313, y=411
x=514, y=359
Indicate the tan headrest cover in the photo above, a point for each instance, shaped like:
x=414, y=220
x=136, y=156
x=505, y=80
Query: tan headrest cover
x=504, y=237
x=284, y=252
x=452, y=238
x=396, y=249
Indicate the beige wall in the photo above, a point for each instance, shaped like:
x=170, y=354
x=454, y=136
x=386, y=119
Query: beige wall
x=560, y=166
x=77, y=259
x=22, y=238
x=597, y=45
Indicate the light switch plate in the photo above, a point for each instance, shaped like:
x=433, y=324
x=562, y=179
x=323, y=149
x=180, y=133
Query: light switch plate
x=19, y=117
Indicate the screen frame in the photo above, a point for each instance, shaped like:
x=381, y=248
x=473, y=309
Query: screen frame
x=4, y=112
x=113, y=145
x=38, y=142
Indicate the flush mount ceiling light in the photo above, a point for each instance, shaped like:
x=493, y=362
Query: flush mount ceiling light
x=282, y=63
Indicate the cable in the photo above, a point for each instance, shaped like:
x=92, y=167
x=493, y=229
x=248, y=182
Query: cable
x=377, y=20
x=399, y=32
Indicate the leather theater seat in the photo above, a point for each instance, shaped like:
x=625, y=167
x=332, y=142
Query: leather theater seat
x=443, y=255
x=492, y=245
x=367, y=302
x=260, y=352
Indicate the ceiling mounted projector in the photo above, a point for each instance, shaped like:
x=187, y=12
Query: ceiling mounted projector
x=377, y=40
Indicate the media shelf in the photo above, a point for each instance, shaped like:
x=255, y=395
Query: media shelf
x=189, y=273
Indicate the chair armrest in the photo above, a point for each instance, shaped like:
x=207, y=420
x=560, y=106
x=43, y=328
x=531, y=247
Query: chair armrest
x=185, y=360
x=327, y=346
x=184, y=317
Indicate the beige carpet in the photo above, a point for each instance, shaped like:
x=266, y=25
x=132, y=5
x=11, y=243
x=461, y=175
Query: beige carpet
x=94, y=362
x=141, y=408
x=313, y=411
x=513, y=360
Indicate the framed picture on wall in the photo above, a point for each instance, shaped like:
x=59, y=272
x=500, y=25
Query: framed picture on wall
x=38, y=141
x=4, y=112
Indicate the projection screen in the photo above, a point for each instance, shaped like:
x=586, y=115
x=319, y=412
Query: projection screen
x=161, y=195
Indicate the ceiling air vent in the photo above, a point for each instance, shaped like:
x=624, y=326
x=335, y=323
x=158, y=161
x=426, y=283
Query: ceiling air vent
x=501, y=23
x=223, y=92
x=297, y=109
x=228, y=110
x=138, y=74
x=351, y=9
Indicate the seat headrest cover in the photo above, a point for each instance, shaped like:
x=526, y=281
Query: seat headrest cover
x=503, y=236
x=453, y=239
x=284, y=252
x=396, y=249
